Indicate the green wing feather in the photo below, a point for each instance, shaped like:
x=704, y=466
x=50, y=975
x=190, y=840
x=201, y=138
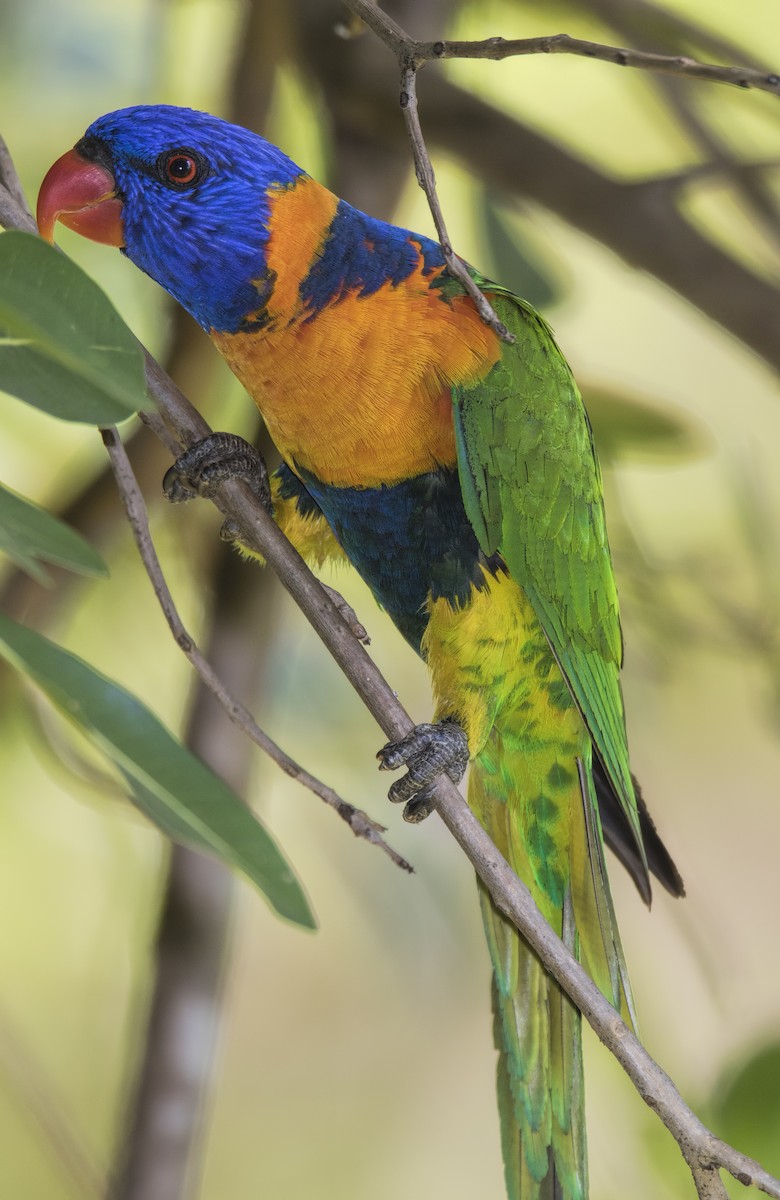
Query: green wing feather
x=532, y=489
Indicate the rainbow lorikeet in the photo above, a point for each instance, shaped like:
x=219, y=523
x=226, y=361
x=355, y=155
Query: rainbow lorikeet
x=457, y=473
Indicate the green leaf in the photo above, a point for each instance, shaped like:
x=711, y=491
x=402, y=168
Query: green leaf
x=177, y=791
x=644, y=431
x=63, y=346
x=29, y=533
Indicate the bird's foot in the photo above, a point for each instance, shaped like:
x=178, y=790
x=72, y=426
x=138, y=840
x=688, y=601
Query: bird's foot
x=427, y=751
x=200, y=470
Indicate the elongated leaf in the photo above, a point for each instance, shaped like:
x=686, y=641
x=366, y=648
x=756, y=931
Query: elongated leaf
x=29, y=533
x=181, y=795
x=63, y=346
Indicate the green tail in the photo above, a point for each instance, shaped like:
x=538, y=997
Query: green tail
x=538, y=803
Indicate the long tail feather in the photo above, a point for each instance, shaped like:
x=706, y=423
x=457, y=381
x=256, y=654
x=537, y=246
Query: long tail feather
x=537, y=1030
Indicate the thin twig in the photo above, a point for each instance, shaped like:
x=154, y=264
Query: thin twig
x=703, y=1152
x=417, y=53
x=646, y=15
x=359, y=822
x=427, y=181
x=413, y=54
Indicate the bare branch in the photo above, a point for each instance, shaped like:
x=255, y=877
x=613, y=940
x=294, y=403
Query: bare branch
x=645, y=15
x=427, y=181
x=359, y=822
x=416, y=53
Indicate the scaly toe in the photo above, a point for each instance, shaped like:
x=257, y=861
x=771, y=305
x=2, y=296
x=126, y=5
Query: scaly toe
x=209, y=462
x=426, y=751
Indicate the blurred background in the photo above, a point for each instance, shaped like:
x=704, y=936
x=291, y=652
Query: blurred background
x=641, y=213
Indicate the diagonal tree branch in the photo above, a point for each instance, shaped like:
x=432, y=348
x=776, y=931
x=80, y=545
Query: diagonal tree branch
x=359, y=822
x=427, y=181
x=646, y=15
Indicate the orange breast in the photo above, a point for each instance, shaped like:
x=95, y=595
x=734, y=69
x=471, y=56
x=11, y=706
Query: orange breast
x=360, y=394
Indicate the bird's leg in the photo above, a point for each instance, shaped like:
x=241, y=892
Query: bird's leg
x=200, y=470
x=427, y=751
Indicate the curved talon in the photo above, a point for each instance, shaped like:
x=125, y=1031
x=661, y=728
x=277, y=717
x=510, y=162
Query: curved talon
x=427, y=751
x=200, y=470
x=230, y=531
x=419, y=807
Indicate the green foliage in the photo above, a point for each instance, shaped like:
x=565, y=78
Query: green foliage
x=63, y=346
x=182, y=796
x=28, y=533
x=64, y=349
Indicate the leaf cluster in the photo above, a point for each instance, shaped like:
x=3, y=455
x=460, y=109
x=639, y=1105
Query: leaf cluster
x=65, y=350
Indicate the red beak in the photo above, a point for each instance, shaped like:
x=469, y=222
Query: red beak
x=81, y=194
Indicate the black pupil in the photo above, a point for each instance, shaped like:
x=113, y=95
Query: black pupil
x=180, y=167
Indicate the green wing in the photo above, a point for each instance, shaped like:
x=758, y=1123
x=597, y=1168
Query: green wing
x=532, y=490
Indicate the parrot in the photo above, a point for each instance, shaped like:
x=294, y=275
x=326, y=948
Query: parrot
x=456, y=471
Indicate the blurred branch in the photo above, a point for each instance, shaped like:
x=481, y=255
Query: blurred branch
x=359, y=822
x=631, y=21
x=160, y=1131
x=30, y=1085
x=715, y=169
x=414, y=54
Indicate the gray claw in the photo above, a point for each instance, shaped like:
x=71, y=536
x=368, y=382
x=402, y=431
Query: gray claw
x=427, y=751
x=208, y=463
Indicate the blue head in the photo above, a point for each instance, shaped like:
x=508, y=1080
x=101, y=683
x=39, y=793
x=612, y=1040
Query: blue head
x=194, y=203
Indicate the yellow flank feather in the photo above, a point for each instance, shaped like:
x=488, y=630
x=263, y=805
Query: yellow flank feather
x=310, y=533
x=398, y=350
x=490, y=656
x=493, y=670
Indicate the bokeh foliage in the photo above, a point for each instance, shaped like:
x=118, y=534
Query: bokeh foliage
x=359, y=1063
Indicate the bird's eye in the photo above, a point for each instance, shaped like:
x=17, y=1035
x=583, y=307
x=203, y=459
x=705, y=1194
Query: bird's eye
x=181, y=168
